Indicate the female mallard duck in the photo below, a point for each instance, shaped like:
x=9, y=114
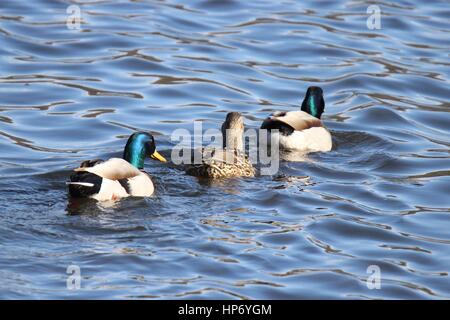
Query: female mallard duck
x=302, y=130
x=231, y=160
x=117, y=178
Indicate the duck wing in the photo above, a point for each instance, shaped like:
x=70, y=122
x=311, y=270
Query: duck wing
x=113, y=169
x=217, y=155
x=297, y=120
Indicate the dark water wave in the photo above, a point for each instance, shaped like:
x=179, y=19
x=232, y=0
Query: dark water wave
x=311, y=231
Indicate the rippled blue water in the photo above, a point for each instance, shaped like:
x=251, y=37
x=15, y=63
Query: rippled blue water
x=380, y=197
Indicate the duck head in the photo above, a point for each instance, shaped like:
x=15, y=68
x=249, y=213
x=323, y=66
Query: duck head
x=313, y=103
x=233, y=131
x=138, y=147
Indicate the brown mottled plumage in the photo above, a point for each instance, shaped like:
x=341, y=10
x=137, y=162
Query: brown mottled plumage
x=231, y=161
x=222, y=164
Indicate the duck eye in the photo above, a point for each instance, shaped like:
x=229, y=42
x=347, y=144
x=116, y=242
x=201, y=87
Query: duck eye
x=150, y=146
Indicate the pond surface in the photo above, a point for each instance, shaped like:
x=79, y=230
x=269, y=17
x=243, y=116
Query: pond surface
x=380, y=197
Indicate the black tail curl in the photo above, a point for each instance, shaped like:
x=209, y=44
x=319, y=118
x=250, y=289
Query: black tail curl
x=84, y=184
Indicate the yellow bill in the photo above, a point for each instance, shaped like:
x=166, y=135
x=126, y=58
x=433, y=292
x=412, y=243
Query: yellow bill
x=158, y=157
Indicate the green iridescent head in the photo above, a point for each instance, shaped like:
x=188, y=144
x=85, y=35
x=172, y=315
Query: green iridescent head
x=138, y=147
x=314, y=104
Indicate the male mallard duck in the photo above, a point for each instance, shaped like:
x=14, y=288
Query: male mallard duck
x=302, y=130
x=117, y=178
x=231, y=161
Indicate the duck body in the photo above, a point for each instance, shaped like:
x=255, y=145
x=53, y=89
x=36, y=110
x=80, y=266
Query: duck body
x=228, y=161
x=109, y=180
x=221, y=163
x=301, y=130
x=117, y=178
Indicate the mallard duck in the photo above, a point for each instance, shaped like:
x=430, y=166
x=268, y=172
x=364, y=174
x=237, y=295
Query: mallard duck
x=117, y=178
x=302, y=130
x=231, y=160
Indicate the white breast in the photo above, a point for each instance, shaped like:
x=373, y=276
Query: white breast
x=315, y=139
x=141, y=186
x=110, y=190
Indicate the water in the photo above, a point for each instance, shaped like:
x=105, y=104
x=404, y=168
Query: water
x=380, y=197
